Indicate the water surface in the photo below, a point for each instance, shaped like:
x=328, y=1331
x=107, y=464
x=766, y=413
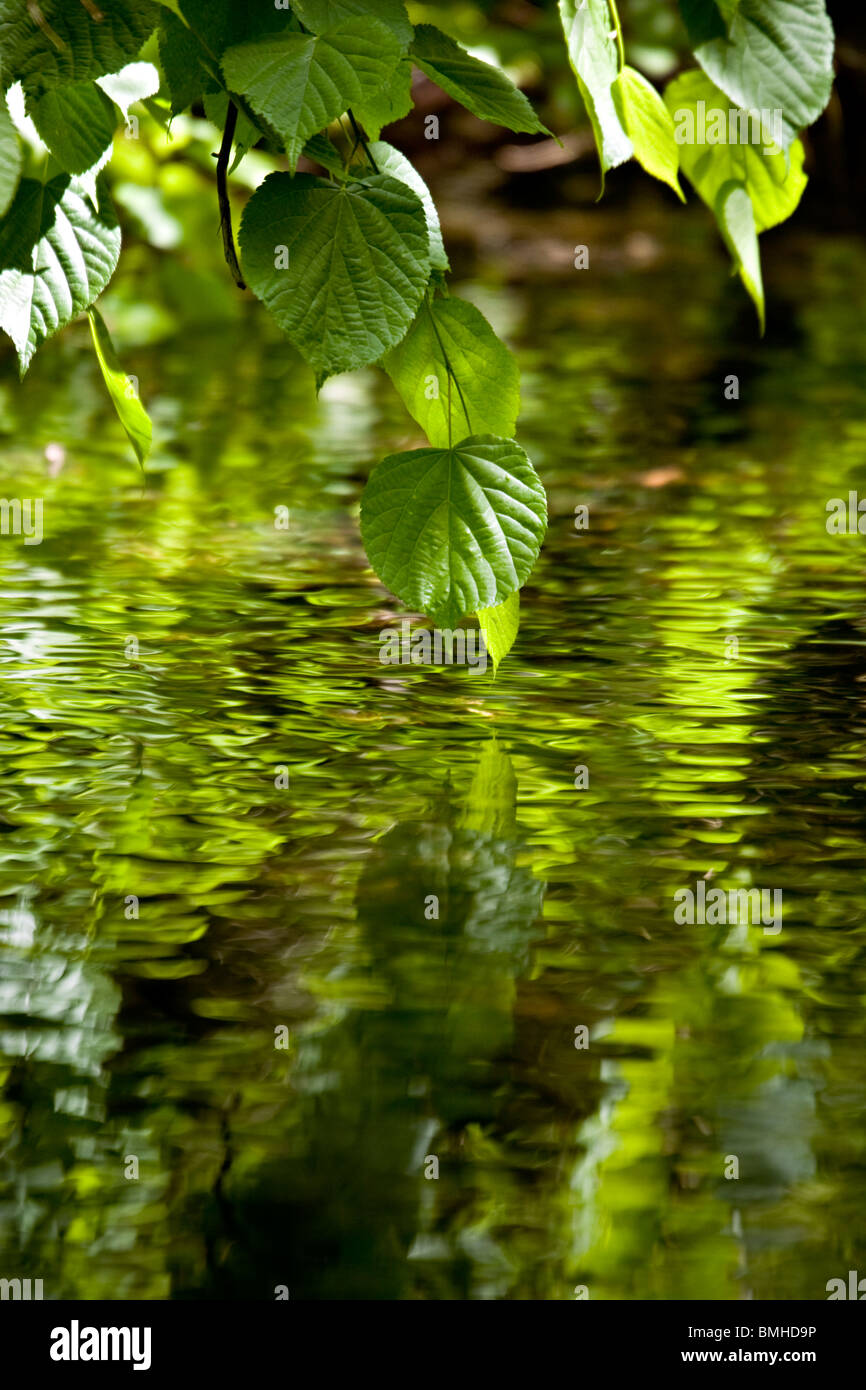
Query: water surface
x=166, y=651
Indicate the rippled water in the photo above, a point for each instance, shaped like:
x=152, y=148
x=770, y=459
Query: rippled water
x=300, y=916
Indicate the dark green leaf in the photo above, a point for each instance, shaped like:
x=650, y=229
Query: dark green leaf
x=321, y=15
x=342, y=267
x=482, y=89
x=57, y=41
x=301, y=82
x=76, y=122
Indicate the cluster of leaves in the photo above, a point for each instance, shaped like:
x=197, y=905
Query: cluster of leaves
x=351, y=264
x=770, y=59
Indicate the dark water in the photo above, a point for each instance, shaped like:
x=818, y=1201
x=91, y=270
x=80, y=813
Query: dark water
x=270, y=915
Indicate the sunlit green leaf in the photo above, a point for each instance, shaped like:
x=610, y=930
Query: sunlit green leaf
x=122, y=389
x=649, y=125
x=391, y=161
x=500, y=626
x=483, y=394
x=482, y=89
x=452, y=531
x=592, y=52
x=774, y=183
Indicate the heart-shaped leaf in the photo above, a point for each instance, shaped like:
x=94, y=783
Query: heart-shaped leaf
x=299, y=83
x=452, y=531
x=482, y=397
x=342, y=267
x=777, y=56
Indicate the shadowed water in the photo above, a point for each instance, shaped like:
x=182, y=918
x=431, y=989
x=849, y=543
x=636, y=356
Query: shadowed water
x=285, y=1037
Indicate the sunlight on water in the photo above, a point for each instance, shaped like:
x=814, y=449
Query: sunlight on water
x=286, y=1001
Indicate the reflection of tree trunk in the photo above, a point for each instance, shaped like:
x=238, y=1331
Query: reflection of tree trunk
x=334, y=1208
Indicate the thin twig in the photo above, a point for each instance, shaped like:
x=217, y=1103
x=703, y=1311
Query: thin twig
x=223, y=196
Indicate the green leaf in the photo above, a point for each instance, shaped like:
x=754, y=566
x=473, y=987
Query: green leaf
x=777, y=56
x=703, y=20
x=358, y=264
x=301, y=82
x=500, y=626
x=482, y=89
x=452, y=531
x=122, y=389
x=57, y=254
x=592, y=52
x=321, y=15
x=649, y=125
x=181, y=56
x=76, y=122
x=485, y=370
x=736, y=218
x=58, y=41
x=391, y=161
x=391, y=103
x=135, y=82
x=10, y=158
x=774, y=184
x=323, y=151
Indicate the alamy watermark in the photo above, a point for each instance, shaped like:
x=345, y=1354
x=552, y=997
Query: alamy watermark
x=701, y=125
x=425, y=646
x=22, y=516
x=734, y=907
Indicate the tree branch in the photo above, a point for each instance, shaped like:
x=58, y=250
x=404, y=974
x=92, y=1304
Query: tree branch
x=223, y=196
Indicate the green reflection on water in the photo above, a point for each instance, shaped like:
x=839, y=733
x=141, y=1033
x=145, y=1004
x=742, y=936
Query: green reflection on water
x=149, y=773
